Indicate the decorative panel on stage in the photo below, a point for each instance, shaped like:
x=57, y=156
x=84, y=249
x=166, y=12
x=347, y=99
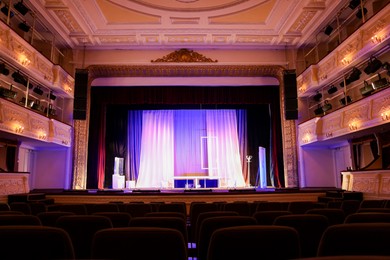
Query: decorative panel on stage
x=188, y=182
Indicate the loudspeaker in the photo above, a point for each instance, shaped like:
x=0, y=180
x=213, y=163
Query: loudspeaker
x=80, y=94
x=290, y=95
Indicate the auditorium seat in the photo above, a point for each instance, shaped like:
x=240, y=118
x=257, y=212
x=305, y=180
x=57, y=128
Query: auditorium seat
x=367, y=203
x=254, y=242
x=118, y=219
x=300, y=207
x=241, y=207
x=138, y=209
x=368, y=217
x=310, y=228
x=4, y=206
x=209, y=225
x=356, y=239
x=173, y=207
x=37, y=207
x=30, y=220
x=11, y=212
x=21, y=206
x=195, y=209
x=49, y=218
x=335, y=216
x=79, y=209
x=204, y=215
x=383, y=210
x=166, y=214
x=102, y=207
x=350, y=206
x=271, y=205
x=81, y=229
x=146, y=243
x=268, y=217
x=35, y=242
x=163, y=222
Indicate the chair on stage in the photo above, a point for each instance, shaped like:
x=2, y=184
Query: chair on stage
x=335, y=216
x=35, y=242
x=310, y=228
x=209, y=225
x=254, y=242
x=81, y=229
x=118, y=219
x=17, y=219
x=355, y=239
x=368, y=217
x=146, y=243
x=268, y=217
x=49, y=218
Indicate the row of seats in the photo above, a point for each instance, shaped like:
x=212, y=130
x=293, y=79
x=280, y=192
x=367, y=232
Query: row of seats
x=236, y=242
x=81, y=228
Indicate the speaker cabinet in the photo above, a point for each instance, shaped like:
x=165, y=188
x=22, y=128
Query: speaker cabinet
x=290, y=95
x=80, y=94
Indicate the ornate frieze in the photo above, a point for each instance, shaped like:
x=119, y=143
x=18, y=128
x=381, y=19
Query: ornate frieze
x=184, y=55
x=358, y=114
x=60, y=133
x=14, y=183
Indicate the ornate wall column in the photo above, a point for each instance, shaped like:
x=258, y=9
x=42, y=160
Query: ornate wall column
x=106, y=71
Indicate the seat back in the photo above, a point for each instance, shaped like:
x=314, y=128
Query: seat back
x=17, y=219
x=35, y=242
x=335, y=216
x=49, y=218
x=300, y=207
x=209, y=225
x=355, y=239
x=210, y=214
x=138, y=209
x=78, y=209
x=310, y=228
x=118, y=219
x=102, y=207
x=81, y=229
x=130, y=242
x=368, y=217
x=163, y=222
x=254, y=242
x=173, y=207
x=241, y=207
x=268, y=217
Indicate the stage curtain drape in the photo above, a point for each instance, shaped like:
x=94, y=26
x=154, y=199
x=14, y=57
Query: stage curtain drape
x=134, y=143
x=188, y=142
x=261, y=102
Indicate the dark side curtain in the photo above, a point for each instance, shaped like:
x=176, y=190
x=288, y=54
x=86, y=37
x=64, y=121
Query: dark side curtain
x=259, y=100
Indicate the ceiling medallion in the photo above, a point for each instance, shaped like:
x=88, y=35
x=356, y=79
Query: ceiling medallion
x=184, y=55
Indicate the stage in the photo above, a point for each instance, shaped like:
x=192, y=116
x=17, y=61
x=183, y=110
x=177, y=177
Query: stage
x=188, y=196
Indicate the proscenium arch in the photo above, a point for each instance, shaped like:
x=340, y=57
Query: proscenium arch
x=81, y=127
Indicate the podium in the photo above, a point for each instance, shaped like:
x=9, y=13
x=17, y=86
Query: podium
x=118, y=181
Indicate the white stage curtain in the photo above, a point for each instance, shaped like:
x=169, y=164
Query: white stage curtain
x=157, y=153
x=223, y=147
x=172, y=143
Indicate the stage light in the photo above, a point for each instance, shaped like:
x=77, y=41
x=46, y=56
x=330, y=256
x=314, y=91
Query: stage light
x=373, y=65
x=359, y=14
x=367, y=89
x=52, y=96
x=4, y=70
x=353, y=4
x=317, y=97
x=19, y=78
x=328, y=30
x=38, y=90
x=327, y=106
x=21, y=8
x=4, y=10
x=332, y=89
x=345, y=100
x=386, y=66
x=24, y=27
x=318, y=111
x=355, y=75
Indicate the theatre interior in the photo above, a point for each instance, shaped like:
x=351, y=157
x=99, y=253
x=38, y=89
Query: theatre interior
x=259, y=124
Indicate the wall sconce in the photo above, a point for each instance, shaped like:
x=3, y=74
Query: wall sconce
x=385, y=115
x=19, y=129
x=329, y=134
x=376, y=39
x=353, y=126
x=345, y=61
x=306, y=138
x=24, y=60
x=42, y=136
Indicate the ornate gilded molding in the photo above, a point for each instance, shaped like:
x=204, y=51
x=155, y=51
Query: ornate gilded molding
x=184, y=55
x=104, y=71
